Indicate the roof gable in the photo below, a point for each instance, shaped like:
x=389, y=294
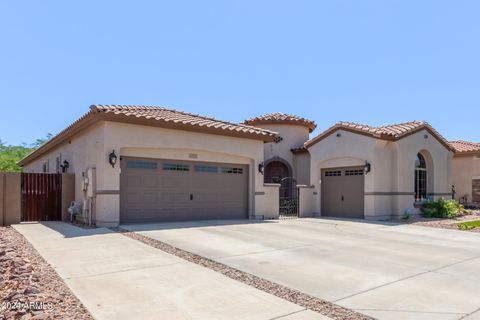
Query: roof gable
x=392, y=132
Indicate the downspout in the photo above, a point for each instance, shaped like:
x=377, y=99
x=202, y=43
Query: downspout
x=93, y=211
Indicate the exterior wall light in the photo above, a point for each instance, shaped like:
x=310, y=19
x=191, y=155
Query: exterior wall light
x=65, y=165
x=367, y=167
x=112, y=158
x=261, y=167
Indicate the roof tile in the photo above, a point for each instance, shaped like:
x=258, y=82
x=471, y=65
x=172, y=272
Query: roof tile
x=461, y=146
x=278, y=117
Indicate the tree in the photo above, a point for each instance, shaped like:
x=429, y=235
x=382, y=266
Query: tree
x=10, y=155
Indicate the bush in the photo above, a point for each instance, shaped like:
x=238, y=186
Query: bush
x=442, y=209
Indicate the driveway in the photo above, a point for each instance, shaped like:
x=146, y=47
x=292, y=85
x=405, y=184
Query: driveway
x=383, y=270
x=116, y=277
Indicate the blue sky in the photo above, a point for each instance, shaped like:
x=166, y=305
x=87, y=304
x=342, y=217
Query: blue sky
x=373, y=62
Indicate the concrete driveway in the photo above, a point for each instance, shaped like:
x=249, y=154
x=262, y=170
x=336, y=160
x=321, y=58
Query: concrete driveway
x=116, y=277
x=383, y=270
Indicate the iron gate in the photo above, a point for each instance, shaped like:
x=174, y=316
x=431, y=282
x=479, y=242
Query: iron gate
x=289, y=198
x=41, y=196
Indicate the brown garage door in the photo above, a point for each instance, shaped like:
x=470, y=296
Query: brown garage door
x=476, y=190
x=343, y=192
x=153, y=190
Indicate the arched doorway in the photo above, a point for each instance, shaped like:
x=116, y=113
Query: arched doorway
x=275, y=171
x=279, y=171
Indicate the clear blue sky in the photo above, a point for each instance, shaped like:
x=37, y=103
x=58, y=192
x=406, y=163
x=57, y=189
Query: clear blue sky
x=373, y=62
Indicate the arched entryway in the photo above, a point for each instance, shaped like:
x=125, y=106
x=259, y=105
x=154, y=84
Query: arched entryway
x=276, y=170
x=279, y=171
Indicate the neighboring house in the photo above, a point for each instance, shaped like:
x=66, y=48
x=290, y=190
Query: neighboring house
x=466, y=171
x=180, y=166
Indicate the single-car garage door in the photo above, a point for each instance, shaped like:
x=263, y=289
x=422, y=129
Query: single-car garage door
x=343, y=192
x=154, y=190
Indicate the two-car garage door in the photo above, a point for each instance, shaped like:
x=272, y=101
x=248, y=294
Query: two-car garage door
x=155, y=190
x=343, y=192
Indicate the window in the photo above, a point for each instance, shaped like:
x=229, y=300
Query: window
x=358, y=172
x=232, y=170
x=202, y=168
x=420, y=178
x=134, y=164
x=176, y=167
x=336, y=173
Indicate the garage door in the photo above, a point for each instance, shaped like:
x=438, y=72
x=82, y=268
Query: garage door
x=476, y=190
x=343, y=192
x=153, y=190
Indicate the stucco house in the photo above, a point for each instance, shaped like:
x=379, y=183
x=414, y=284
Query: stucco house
x=145, y=164
x=466, y=171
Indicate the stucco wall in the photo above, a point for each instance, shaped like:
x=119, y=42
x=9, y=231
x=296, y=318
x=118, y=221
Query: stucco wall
x=301, y=165
x=464, y=169
x=389, y=186
x=306, y=200
x=293, y=136
x=268, y=202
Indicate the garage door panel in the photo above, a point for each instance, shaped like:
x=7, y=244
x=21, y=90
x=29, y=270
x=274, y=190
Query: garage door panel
x=343, y=192
x=164, y=195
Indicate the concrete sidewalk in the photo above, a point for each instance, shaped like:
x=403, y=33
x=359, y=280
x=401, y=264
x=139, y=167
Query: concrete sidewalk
x=119, y=278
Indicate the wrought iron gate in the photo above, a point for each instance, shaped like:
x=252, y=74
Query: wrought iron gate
x=41, y=196
x=289, y=198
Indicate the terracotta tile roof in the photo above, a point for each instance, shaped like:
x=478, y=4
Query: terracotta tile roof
x=277, y=117
x=388, y=132
x=165, y=115
x=152, y=116
x=300, y=149
x=461, y=146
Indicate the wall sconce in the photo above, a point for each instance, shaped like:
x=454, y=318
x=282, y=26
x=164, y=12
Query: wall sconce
x=261, y=167
x=367, y=167
x=112, y=158
x=65, y=165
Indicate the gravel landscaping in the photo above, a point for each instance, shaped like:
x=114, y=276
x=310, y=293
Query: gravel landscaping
x=309, y=302
x=444, y=223
x=29, y=287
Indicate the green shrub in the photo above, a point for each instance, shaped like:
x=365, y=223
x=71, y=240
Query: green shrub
x=442, y=209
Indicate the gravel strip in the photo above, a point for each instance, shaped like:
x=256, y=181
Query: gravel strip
x=29, y=287
x=309, y=302
x=444, y=223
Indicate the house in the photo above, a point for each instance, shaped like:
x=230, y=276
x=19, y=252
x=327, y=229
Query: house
x=145, y=164
x=171, y=165
x=466, y=171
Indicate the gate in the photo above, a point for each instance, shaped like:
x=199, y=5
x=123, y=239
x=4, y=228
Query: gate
x=289, y=198
x=41, y=196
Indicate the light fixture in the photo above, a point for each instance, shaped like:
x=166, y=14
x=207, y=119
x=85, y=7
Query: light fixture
x=367, y=167
x=112, y=158
x=261, y=167
x=65, y=165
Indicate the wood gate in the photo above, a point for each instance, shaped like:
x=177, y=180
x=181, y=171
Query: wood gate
x=289, y=198
x=41, y=196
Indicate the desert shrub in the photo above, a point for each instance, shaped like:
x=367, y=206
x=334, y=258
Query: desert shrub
x=442, y=209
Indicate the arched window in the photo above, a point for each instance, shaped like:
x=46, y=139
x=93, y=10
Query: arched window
x=420, y=178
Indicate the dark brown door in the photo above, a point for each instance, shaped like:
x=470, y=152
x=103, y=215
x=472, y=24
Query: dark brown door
x=155, y=190
x=343, y=192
